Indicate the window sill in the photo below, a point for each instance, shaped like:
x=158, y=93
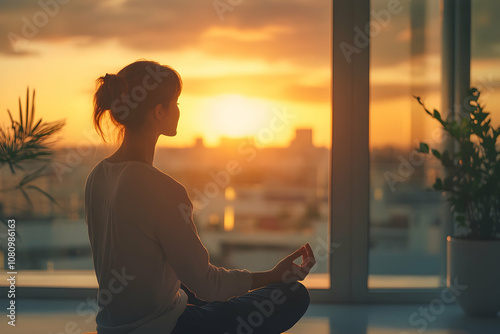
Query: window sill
x=87, y=279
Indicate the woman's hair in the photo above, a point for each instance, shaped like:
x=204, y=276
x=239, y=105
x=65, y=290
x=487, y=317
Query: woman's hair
x=132, y=92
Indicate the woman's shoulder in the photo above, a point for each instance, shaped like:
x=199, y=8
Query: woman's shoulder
x=148, y=176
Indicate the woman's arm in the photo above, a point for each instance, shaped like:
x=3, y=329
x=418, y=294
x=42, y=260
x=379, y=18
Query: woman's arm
x=263, y=278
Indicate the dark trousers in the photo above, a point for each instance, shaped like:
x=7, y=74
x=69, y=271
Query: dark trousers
x=272, y=309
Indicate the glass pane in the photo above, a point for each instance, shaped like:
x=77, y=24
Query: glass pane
x=254, y=138
x=485, y=53
x=407, y=244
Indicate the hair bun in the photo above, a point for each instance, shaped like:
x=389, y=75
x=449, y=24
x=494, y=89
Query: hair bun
x=114, y=79
x=111, y=87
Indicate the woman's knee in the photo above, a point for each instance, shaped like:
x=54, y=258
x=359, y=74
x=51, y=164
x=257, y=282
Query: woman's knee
x=297, y=294
x=298, y=300
x=301, y=294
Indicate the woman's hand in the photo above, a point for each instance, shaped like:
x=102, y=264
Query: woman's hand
x=288, y=271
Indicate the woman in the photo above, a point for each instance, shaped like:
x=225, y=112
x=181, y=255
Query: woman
x=154, y=273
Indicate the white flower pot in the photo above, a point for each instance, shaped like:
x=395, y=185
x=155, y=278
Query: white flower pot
x=475, y=266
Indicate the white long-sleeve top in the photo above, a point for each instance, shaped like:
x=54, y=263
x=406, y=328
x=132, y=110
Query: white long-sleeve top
x=144, y=244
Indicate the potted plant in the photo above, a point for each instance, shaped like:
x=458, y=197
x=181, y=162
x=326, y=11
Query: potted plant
x=25, y=149
x=471, y=163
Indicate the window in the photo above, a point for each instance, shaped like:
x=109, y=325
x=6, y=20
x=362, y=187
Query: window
x=254, y=141
x=407, y=241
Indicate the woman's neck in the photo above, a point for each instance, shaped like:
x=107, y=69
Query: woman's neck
x=136, y=147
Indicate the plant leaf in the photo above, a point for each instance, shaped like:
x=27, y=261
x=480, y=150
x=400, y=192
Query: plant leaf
x=26, y=197
x=437, y=115
x=424, y=148
x=20, y=114
x=438, y=184
x=32, y=176
x=46, y=194
x=27, y=109
x=32, y=111
x=10, y=116
x=436, y=153
x=480, y=117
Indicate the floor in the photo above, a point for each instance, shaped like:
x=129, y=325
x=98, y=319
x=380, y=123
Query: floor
x=75, y=317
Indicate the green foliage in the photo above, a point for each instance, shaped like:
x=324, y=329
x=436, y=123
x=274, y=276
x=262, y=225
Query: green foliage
x=472, y=182
x=24, y=142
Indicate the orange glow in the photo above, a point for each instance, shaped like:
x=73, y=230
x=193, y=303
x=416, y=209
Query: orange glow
x=228, y=218
x=236, y=115
x=230, y=194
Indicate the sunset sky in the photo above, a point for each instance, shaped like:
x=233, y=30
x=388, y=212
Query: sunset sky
x=239, y=66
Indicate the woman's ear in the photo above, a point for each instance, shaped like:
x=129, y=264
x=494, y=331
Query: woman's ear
x=159, y=110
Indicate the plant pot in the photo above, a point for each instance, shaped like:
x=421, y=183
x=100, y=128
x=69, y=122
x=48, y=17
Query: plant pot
x=474, y=275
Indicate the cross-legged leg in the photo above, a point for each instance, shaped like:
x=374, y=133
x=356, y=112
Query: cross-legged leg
x=272, y=309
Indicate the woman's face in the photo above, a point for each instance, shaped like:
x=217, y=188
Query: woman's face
x=171, y=119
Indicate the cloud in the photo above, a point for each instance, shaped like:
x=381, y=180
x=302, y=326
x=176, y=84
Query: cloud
x=297, y=30
x=278, y=87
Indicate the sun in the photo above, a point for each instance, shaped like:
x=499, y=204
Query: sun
x=237, y=115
